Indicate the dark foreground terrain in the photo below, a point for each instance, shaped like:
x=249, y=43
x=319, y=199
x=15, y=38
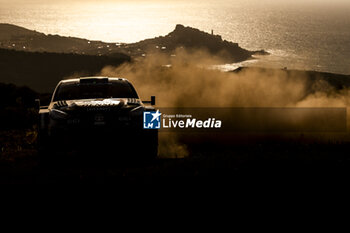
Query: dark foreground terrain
x=278, y=158
x=297, y=159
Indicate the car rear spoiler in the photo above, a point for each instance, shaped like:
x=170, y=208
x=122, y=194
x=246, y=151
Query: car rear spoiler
x=152, y=101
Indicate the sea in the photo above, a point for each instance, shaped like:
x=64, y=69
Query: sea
x=299, y=34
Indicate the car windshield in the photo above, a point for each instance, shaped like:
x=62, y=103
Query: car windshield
x=69, y=91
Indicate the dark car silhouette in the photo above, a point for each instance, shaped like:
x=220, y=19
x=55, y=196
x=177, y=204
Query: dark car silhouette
x=96, y=113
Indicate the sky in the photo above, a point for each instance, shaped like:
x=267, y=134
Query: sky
x=263, y=3
x=161, y=1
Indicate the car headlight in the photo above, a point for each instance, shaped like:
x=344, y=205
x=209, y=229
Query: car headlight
x=58, y=114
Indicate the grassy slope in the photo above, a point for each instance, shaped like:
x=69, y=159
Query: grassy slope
x=42, y=71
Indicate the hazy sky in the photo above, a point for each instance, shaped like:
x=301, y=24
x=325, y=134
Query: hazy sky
x=264, y=3
x=162, y=1
x=334, y=4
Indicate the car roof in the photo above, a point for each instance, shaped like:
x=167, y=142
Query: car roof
x=78, y=80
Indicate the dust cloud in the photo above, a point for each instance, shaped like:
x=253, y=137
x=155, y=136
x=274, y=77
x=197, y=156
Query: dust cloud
x=187, y=83
x=184, y=80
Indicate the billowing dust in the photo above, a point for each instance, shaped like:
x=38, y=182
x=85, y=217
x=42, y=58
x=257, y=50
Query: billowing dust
x=189, y=83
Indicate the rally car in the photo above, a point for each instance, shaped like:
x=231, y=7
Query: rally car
x=97, y=112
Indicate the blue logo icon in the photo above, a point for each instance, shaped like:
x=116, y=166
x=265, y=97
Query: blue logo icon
x=151, y=120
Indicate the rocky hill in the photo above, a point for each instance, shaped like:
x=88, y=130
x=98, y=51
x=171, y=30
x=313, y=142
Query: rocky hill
x=19, y=38
x=194, y=39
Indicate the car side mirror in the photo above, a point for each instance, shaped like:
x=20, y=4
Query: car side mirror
x=37, y=103
x=152, y=102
